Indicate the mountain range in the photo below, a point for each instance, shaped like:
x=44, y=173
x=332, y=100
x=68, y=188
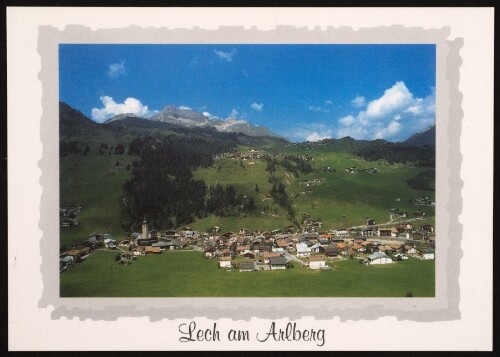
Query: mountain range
x=174, y=117
x=189, y=118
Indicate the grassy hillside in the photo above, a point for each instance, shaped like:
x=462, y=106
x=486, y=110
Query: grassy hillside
x=340, y=199
x=185, y=274
x=95, y=181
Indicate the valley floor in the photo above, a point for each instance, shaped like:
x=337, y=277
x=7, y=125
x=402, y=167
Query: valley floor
x=187, y=274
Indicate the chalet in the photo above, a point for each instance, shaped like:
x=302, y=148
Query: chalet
x=378, y=258
x=419, y=235
x=316, y=262
x=410, y=249
x=324, y=241
x=358, y=248
x=228, y=235
x=427, y=228
x=152, y=250
x=281, y=243
x=310, y=236
x=225, y=262
x=342, y=232
x=248, y=266
x=154, y=234
x=77, y=254
x=170, y=234
x=317, y=248
x=341, y=246
x=332, y=251
x=244, y=231
x=337, y=240
x=400, y=256
x=249, y=255
x=242, y=249
x=384, y=232
x=368, y=232
x=261, y=248
x=267, y=256
x=385, y=248
x=110, y=243
x=215, y=229
x=426, y=253
x=395, y=247
x=290, y=228
x=225, y=253
x=419, y=213
x=303, y=250
x=277, y=263
x=137, y=251
x=370, y=222
x=394, y=232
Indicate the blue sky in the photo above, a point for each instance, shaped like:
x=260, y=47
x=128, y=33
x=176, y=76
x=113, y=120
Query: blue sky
x=302, y=92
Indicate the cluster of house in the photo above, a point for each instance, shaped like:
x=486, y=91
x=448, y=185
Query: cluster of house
x=154, y=242
x=252, y=154
x=423, y=201
x=69, y=213
x=250, y=251
x=355, y=170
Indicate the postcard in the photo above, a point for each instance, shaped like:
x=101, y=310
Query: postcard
x=223, y=187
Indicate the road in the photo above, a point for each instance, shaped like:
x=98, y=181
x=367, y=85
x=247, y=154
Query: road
x=289, y=257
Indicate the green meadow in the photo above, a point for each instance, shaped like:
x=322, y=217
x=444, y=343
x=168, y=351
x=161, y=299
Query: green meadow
x=341, y=199
x=188, y=274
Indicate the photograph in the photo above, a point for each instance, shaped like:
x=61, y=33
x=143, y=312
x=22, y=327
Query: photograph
x=247, y=170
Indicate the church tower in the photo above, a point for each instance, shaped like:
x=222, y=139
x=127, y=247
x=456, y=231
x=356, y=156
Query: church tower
x=144, y=229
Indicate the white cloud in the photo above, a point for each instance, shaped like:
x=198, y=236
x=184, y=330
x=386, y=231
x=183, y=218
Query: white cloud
x=226, y=56
x=328, y=102
x=346, y=121
x=183, y=107
x=116, y=70
x=234, y=113
x=258, y=107
x=396, y=98
x=359, y=101
x=394, y=116
x=315, y=136
x=389, y=131
x=111, y=108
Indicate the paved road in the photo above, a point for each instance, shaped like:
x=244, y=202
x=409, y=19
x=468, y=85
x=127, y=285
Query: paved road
x=289, y=257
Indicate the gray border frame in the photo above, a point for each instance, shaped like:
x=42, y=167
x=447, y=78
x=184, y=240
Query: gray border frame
x=443, y=307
